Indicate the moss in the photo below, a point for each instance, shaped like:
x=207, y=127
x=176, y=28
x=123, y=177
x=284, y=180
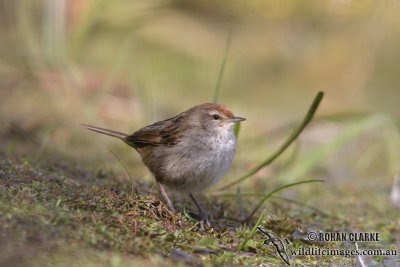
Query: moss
x=54, y=213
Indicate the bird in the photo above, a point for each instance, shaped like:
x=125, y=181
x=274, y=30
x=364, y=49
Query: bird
x=186, y=153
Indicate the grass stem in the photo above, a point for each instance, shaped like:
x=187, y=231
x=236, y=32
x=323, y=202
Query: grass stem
x=307, y=119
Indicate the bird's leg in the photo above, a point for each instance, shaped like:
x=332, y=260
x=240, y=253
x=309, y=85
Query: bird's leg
x=165, y=196
x=202, y=214
x=169, y=202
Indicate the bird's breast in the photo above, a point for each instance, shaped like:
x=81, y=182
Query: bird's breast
x=196, y=163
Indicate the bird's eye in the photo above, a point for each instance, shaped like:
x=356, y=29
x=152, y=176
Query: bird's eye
x=216, y=117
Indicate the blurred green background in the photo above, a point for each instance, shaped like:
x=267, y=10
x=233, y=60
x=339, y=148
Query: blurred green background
x=125, y=64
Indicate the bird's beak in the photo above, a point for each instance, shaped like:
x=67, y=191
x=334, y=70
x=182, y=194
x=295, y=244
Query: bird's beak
x=236, y=119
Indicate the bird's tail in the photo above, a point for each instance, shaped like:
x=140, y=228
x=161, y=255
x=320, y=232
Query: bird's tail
x=112, y=133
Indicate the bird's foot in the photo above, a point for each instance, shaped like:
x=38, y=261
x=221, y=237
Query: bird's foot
x=169, y=202
x=204, y=222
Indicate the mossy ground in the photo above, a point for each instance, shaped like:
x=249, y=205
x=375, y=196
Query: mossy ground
x=56, y=213
x=66, y=201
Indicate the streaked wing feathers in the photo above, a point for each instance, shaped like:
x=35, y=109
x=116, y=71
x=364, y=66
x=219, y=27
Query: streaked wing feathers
x=160, y=133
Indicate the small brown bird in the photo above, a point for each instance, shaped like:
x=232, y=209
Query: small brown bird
x=186, y=153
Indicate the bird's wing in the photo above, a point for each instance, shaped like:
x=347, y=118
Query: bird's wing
x=166, y=132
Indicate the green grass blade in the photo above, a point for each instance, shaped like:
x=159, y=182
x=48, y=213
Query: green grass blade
x=217, y=89
x=316, y=156
x=307, y=119
x=258, y=195
x=236, y=129
x=242, y=245
x=187, y=215
x=267, y=196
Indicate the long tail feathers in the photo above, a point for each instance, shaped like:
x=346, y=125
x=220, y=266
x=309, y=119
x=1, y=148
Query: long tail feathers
x=112, y=133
